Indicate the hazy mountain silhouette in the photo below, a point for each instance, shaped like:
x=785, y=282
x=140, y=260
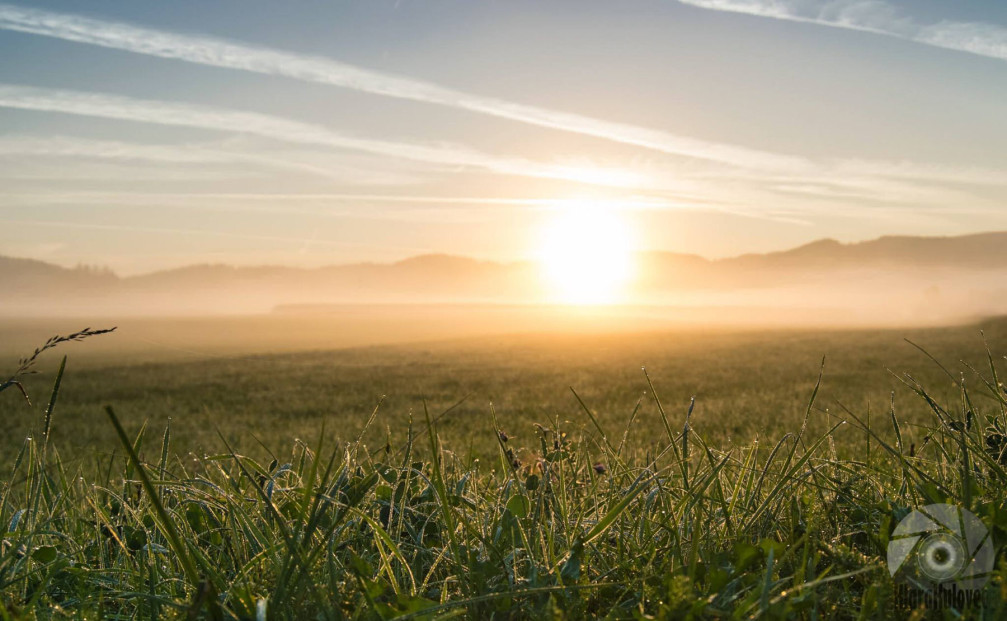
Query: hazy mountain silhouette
x=926, y=274
x=979, y=251
x=19, y=277
x=826, y=257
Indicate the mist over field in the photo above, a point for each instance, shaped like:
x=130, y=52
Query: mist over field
x=890, y=281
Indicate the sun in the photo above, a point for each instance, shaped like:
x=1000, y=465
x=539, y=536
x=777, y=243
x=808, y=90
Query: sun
x=586, y=253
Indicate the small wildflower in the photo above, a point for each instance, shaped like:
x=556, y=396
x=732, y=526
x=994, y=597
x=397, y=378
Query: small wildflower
x=600, y=468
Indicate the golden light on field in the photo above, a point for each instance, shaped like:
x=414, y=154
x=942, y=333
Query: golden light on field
x=587, y=253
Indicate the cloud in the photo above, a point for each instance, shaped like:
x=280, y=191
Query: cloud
x=869, y=15
x=854, y=186
x=299, y=197
x=219, y=53
x=277, y=128
x=92, y=226
x=337, y=167
x=396, y=206
x=876, y=16
x=66, y=146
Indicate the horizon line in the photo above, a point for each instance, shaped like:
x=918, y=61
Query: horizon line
x=496, y=262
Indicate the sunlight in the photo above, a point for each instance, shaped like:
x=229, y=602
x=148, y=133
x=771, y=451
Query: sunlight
x=586, y=253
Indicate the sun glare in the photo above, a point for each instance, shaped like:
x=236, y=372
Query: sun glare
x=586, y=253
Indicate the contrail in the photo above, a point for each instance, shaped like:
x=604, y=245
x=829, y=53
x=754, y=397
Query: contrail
x=876, y=16
x=277, y=128
x=219, y=53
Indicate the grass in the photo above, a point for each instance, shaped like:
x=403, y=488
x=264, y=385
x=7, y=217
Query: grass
x=747, y=384
x=558, y=512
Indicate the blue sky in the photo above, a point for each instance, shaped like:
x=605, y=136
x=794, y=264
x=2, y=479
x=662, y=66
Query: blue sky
x=145, y=135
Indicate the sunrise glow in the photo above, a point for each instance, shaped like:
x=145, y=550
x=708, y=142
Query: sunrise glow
x=586, y=253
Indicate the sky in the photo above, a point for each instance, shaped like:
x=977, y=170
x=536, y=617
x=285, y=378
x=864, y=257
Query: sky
x=146, y=135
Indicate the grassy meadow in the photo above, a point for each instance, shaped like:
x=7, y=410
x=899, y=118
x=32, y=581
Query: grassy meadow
x=524, y=475
x=747, y=383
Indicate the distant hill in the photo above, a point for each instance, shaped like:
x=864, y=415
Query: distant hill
x=979, y=251
x=928, y=274
x=819, y=259
x=19, y=277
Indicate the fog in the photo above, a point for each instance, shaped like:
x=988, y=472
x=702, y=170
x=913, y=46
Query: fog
x=889, y=282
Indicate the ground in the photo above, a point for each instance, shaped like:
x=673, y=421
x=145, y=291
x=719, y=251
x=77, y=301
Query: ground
x=483, y=485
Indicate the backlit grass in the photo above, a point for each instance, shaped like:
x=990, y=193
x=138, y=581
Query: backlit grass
x=578, y=522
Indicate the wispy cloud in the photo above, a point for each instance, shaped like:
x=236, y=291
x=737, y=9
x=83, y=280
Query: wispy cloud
x=336, y=167
x=93, y=226
x=869, y=15
x=299, y=197
x=277, y=128
x=394, y=206
x=854, y=186
x=877, y=16
x=68, y=146
x=219, y=53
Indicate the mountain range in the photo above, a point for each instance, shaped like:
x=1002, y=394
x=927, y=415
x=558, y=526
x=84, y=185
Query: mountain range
x=944, y=275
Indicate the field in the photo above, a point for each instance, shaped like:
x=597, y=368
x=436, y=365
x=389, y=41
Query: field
x=747, y=383
x=279, y=491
